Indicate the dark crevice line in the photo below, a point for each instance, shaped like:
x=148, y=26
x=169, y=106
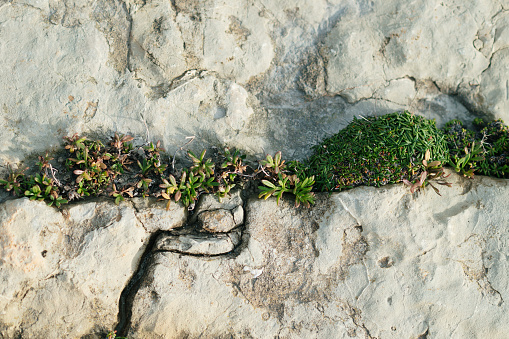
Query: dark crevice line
x=129, y=292
x=196, y=255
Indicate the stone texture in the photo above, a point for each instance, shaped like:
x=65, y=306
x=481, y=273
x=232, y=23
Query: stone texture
x=63, y=271
x=209, y=202
x=238, y=215
x=365, y=262
x=153, y=214
x=198, y=244
x=217, y=221
x=362, y=263
x=385, y=41
x=262, y=76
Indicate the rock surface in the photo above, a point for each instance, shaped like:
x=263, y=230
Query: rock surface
x=63, y=271
x=217, y=221
x=198, y=244
x=262, y=76
x=364, y=263
x=361, y=263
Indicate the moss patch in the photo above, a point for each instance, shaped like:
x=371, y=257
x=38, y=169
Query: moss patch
x=374, y=151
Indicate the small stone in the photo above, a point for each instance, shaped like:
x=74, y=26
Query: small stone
x=238, y=215
x=198, y=244
x=217, y=221
x=154, y=216
x=211, y=202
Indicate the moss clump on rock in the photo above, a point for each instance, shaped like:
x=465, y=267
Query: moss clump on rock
x=488, y=142
x=374, y=151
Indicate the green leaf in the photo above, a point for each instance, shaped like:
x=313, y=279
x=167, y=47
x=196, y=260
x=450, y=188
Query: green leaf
x=268, y=183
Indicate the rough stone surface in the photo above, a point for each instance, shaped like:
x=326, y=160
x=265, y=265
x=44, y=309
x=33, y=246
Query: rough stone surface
x=217, y=221
x=363, y=263
x=261, y=75
x=198, y=244
x=153, y=214
x=63, y=271
x=238, y=215
x=210, y=202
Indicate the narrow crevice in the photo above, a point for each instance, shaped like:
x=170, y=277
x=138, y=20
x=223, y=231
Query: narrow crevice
x=129, y=36
x=127, y=296
x=130, y=291
x=196, y=255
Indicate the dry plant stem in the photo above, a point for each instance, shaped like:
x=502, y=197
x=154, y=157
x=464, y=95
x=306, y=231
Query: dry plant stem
x=53, y=170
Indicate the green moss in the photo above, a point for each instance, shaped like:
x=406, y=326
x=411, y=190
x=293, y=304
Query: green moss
x=491, y=138
x=374, y=151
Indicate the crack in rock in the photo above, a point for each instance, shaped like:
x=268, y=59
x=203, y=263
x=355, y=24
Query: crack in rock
x=193, y=239
x=473, y=267
x=198, y=244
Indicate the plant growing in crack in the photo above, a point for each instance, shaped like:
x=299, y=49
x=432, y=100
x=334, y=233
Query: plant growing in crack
x=14, y=180
x=430, y=171
x=372, y=151
x=468, y=163
x=113, y=335
x=277, y=181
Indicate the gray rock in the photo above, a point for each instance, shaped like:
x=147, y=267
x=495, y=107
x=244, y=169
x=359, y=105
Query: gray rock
x=238, y=215
x=63, y=271
x=365, y=262
x=262, y=77
x=285, y=74
x=217, y=221
x=198, y=244
x=210, y=202
x=153, y=214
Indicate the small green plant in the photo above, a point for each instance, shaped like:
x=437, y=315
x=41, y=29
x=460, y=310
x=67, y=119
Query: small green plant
x=278, y=181
x=268, y=189
x=274, y=164
x=144, y=166
x=119, y=194
x=487, y=143
x=113, y=335
x=202, y=167
x=302, y=191
x=430, y=171
x=43, y=162
x=468, y=163
x=371, y=151
x=14, y=180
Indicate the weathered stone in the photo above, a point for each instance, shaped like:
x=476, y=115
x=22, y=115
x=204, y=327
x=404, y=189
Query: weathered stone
x=366, y=262
x=156, y=70
x=371, y=45
x=261, y=76
x=209, y=202
x=153, y=214
x=217, y=221
x=238, y=215
x=198, y=244
x=63, y=271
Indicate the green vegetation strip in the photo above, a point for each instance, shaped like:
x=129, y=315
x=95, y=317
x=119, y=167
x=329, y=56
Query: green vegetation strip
x=373, y=151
